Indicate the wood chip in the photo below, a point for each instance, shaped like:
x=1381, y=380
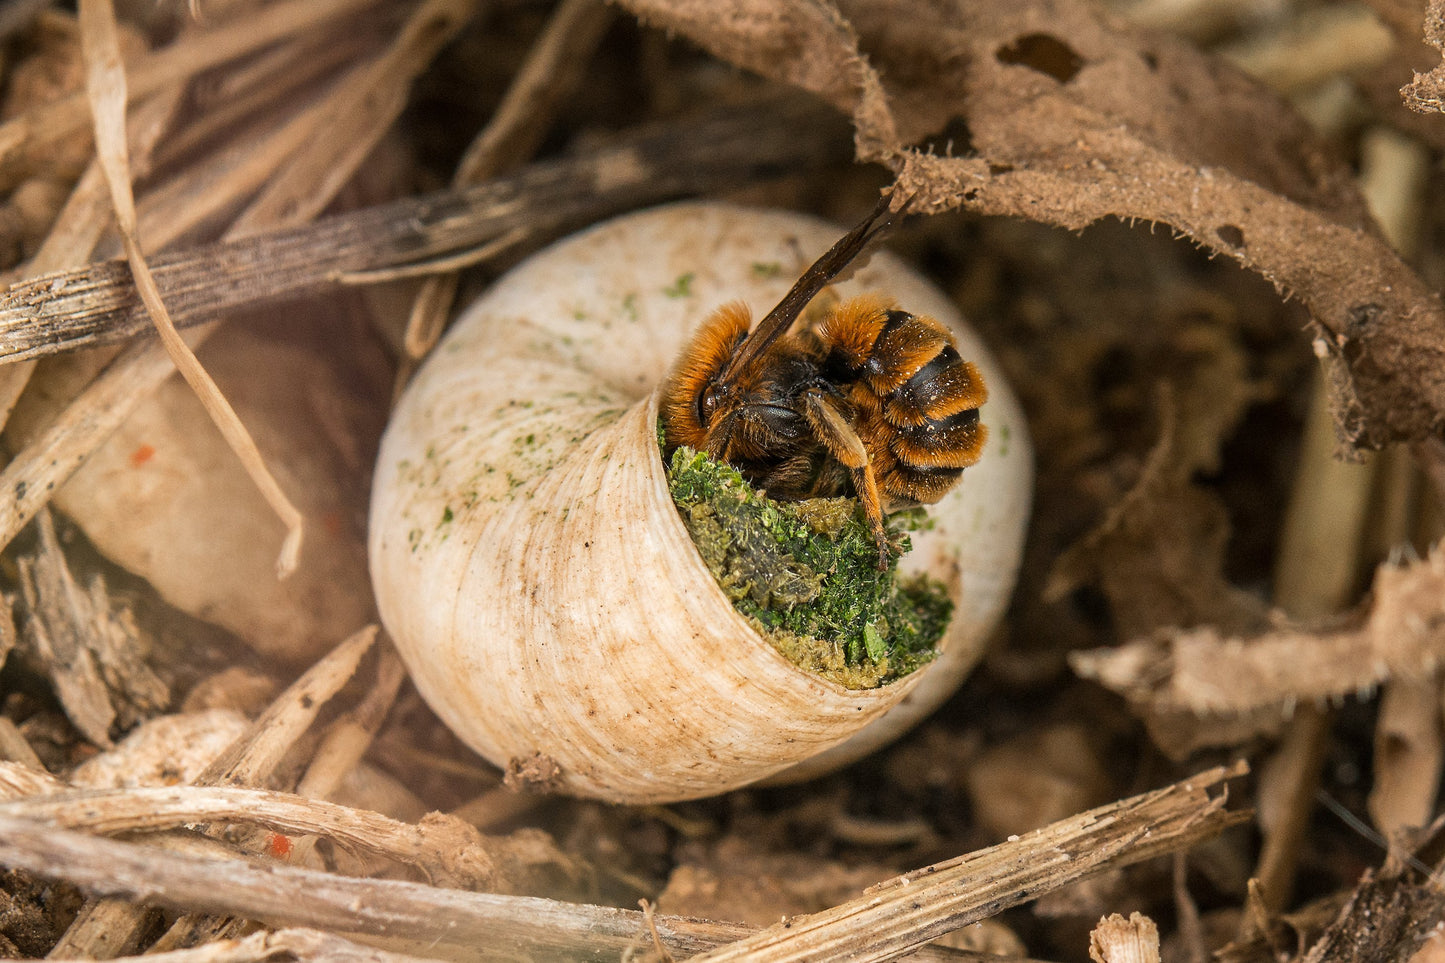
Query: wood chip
x=88, y=646
x=1120, y=940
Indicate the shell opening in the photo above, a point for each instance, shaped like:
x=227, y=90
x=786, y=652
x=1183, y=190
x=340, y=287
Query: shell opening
x=804, y=574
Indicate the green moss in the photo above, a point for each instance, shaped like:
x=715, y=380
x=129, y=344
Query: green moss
x=806, y=574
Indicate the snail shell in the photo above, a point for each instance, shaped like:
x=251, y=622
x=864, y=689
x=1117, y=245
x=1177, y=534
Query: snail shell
x=535, y=575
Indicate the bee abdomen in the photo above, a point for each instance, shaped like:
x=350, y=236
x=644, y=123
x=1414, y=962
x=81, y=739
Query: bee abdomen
x=945, y=386
x=905, y=345
x=952, y=442
x=905, y=485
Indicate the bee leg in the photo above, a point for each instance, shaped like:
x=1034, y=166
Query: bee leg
x=834, y=429
x=867, y=488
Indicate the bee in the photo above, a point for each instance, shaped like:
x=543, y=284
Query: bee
x=858, y=398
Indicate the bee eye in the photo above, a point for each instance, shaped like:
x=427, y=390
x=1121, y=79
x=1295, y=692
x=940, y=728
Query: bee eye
x=706, y=405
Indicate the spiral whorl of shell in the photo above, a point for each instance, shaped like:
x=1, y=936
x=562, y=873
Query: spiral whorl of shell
x=531, y=567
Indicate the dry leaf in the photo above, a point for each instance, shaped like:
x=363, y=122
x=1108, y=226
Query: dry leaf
x=1202, y=675
x=1071, y=119
x=1159, y=553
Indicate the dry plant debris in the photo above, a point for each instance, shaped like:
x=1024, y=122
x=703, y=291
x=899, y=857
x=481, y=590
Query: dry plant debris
x=889, y=919
x=1427, y=91
x=1072, y=120
x=286, y=170
x=1198, y=673
x=1120, y=940
x=86, y=643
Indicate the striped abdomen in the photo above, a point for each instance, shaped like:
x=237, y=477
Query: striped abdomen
x=915, y=399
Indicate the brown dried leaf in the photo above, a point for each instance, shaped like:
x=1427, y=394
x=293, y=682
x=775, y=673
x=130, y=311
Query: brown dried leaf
x=1254, y=681
x=806, y=43
x=1072, y=119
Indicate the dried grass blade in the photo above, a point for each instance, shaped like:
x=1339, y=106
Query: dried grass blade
x=19, y=780
x=252, y=758
x=32, y=131
x=1409, y=755
x=363, y=114
x=106, y=84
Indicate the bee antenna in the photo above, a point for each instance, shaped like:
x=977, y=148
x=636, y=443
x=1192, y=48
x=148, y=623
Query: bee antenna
x=816, y=278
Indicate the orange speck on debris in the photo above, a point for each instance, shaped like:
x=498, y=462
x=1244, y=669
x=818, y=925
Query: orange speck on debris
x=141, y=455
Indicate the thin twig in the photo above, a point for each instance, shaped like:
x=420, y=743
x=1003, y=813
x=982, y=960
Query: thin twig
x=251, y=759
x=886, y=922
x=446, y=850
x=906, y=912
x=97, y=304
x=106, y=927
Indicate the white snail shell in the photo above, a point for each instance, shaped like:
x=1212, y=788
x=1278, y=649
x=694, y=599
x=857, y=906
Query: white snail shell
x=535, y=575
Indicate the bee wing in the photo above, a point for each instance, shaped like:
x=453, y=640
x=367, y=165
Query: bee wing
x=777, y=321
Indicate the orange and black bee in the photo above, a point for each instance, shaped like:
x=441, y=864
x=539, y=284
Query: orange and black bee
x=862, y=397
